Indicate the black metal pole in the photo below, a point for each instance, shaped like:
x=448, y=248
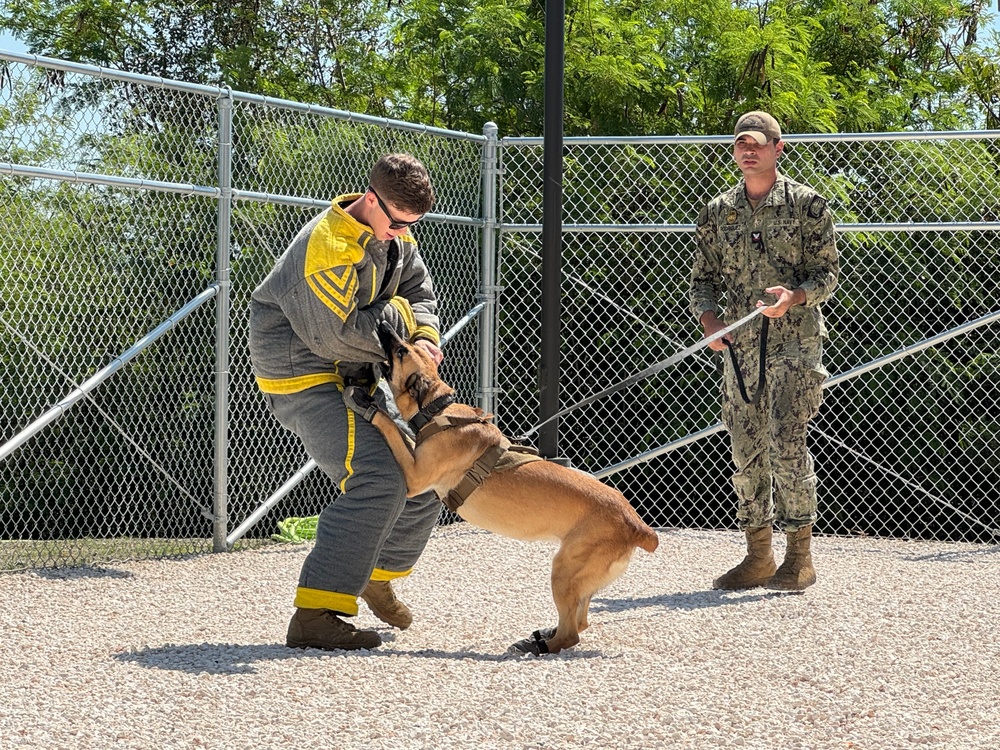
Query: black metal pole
x=548, y=375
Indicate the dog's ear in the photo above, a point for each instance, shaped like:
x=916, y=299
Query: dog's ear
x=416, y=386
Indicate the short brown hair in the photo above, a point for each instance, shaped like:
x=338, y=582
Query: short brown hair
x=403, y=181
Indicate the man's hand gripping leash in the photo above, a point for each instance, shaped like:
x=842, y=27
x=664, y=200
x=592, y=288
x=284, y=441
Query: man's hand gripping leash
x=673, y=360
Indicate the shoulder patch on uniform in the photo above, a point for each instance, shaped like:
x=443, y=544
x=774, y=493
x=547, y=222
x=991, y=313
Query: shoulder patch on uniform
x=336, y=291
x=329, y=248
x=816, y=207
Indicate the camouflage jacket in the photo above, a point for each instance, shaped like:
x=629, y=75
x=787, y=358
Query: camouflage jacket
x=788, y=240
x=313, y=319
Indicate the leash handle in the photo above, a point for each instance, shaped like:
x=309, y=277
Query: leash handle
x=760, y=361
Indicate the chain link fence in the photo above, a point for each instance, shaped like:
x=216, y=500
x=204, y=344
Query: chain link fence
x=908, y=439
x=141, y=213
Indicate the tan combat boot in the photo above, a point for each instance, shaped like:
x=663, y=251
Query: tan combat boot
x=757, y=567
x=796, y=572
x=321, y=628
x=382, y=601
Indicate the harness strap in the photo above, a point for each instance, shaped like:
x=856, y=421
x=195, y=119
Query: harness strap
x=539, y=639
x=473, y=479
x=444, y=422
x=761, y=361
x=431, y=410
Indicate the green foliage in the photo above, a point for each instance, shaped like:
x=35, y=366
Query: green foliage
x=328, y=52
x=659, y=67
x=296, y=530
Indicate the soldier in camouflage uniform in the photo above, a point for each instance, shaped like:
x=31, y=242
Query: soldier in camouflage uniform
x=769, y=238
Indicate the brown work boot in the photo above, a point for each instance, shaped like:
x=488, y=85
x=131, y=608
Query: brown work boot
x=796, y=572
x=757, y=567
x=321, y=628
x=382, y=601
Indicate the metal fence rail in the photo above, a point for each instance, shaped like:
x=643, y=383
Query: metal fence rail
x=141, y=213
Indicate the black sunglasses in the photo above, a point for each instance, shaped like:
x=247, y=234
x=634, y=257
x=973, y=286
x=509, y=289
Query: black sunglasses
x=393, y=222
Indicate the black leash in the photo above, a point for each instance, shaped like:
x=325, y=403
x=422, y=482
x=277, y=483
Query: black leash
x=761, y=360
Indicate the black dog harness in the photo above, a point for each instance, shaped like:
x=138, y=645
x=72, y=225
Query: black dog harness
x=427, y=413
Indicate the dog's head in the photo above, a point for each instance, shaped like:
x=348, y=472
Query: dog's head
x=410, y=371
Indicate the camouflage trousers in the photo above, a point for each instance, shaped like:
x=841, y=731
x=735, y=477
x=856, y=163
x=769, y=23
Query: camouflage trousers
x=775, y=480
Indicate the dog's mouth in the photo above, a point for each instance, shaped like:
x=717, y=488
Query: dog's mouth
x=390, y=342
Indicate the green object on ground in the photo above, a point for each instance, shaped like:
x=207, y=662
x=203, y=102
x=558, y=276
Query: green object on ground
x=296, y=530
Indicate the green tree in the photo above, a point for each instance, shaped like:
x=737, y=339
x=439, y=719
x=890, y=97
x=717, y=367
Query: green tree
x=663, y=66
x=330, y=52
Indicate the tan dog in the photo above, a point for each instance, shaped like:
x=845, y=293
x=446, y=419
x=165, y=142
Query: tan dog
x=538, y=500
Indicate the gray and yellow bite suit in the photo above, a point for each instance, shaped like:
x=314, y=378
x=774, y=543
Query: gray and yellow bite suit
x=312, y=330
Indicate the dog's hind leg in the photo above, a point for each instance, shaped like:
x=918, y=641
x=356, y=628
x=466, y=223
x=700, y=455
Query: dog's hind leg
x=581, y=615
x=577, y=572
x=569, y=599
x=575, y=579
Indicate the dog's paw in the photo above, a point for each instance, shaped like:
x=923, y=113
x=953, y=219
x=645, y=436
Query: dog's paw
x=535, y=645
x=360, y=401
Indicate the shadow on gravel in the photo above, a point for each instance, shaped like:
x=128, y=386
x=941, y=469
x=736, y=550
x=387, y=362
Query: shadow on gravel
x=57, y=574
x=689, y=601
x=207, y=658
x=231, y=658
x=966, y=555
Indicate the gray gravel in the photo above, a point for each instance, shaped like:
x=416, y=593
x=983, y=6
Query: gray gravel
x=897, y=646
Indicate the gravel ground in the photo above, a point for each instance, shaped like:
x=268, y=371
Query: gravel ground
x=897, y=646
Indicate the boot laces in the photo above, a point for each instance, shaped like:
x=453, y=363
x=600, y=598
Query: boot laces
x=338, y=622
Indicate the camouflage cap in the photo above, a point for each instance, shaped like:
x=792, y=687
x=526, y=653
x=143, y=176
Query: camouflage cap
x=760, y=125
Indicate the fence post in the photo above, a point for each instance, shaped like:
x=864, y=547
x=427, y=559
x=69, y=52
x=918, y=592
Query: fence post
x=552, y=200
x=222, y=260
x=487, y=283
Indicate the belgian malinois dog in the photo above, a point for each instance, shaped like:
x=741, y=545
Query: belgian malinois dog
x=534, y=500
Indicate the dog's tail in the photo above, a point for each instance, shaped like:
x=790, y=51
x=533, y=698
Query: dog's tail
x=646, y=538
x=642, y=535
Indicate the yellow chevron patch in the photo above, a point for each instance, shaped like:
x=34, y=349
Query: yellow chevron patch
x=329, y=263
x=336, y=292
x=340, y=286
